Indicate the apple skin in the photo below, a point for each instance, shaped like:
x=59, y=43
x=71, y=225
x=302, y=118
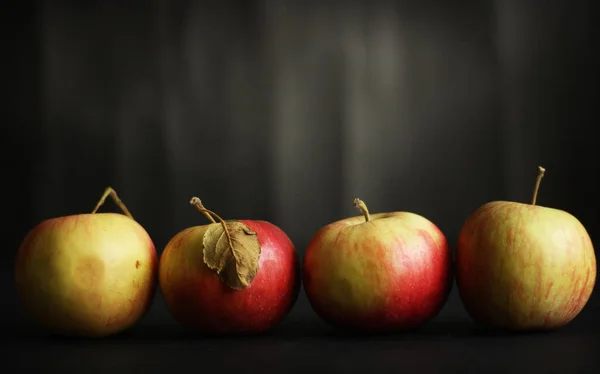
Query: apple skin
x=201, y=302
x=391, y=273
x=524, y=267
x=87, y=275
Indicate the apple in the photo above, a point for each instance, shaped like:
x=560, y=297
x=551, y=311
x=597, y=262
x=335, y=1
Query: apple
x=523, y=266
x=87, y=275
x=380, y=272
x=229, y=277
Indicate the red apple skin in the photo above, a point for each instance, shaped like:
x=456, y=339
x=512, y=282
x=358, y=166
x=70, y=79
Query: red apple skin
x=201, y=302
x=524, y=267
x=389, y=274
x=87, y=275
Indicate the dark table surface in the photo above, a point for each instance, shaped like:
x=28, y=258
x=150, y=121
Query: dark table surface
x=297, y=347
x=450, y=343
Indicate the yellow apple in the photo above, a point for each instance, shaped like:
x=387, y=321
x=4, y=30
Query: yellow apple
x=524, y=266
x=87, y=275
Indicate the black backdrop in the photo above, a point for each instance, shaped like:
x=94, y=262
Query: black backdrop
x=287, y=110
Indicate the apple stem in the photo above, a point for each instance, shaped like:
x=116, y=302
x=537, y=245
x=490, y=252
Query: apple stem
x=358, y=203
x=538, y=181
x=109, y=191
x=197, y=203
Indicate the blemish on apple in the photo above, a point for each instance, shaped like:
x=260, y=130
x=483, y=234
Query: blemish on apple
x=90, y=271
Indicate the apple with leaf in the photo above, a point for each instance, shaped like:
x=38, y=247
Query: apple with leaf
x=229, y=277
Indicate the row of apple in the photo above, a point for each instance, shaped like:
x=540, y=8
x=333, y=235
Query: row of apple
x=518, y=266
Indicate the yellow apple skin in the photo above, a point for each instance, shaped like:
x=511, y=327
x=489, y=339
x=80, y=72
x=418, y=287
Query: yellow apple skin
x=524, y=267
x=87, y=275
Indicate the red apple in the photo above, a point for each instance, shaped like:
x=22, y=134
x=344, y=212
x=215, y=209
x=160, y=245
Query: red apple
x=381, y=273
x=87, y=275
x=229, y=277
x=524, y=266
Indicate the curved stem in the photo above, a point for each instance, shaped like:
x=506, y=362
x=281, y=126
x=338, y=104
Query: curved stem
x=538, y=180
x=198, y=205
x=109, y=191
x=358, y=203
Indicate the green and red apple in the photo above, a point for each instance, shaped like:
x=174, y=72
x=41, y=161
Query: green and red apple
x=380, y=272
x=229, y=277
x=524, y=266
x=87, y=275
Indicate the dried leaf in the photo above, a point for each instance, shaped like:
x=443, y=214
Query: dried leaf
x=234, y=257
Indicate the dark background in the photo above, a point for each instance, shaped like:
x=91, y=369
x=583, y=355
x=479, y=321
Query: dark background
x=286, y=111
